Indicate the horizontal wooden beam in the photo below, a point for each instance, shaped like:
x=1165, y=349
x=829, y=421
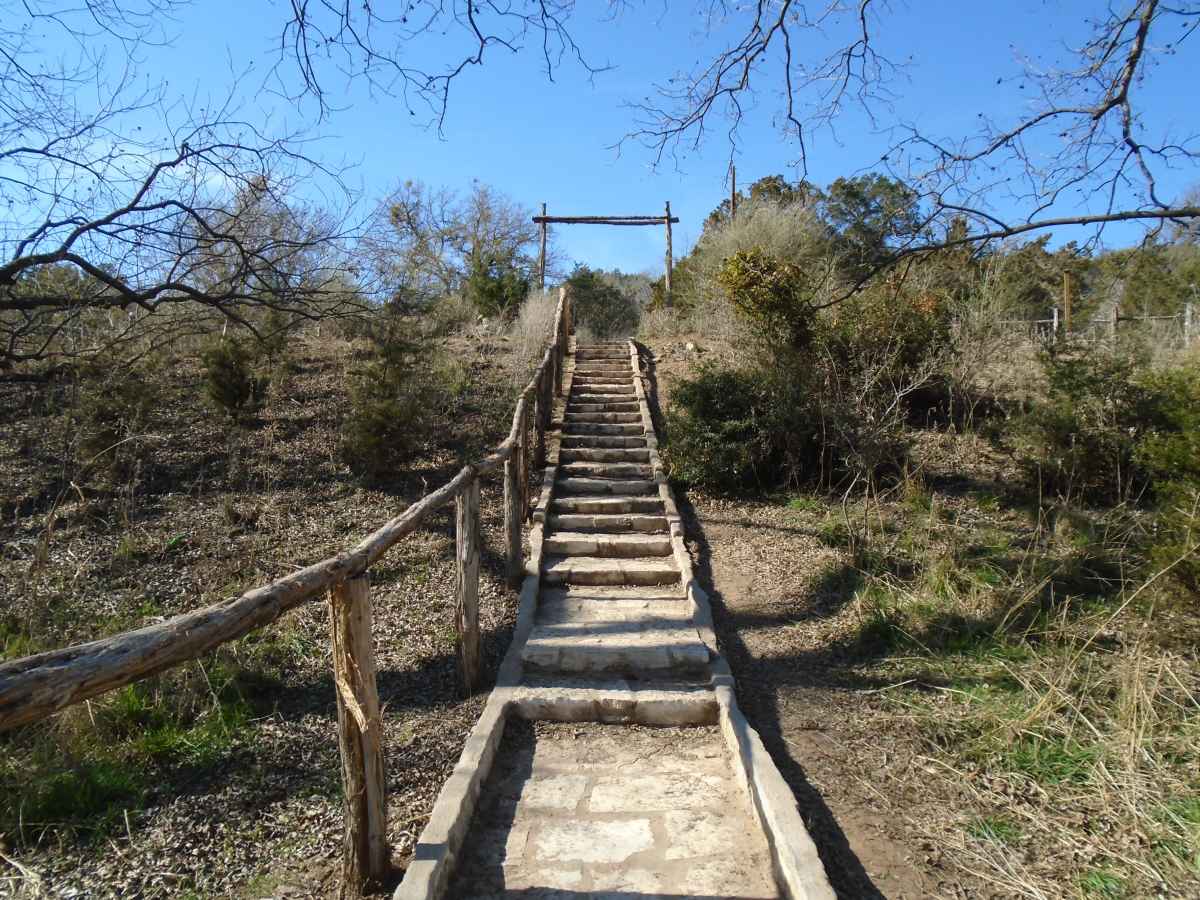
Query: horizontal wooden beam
x=604, y=220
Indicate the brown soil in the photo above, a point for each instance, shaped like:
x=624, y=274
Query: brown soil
x=212, y=515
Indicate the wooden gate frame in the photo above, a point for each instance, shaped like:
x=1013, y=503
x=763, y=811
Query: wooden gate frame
x=667, y=220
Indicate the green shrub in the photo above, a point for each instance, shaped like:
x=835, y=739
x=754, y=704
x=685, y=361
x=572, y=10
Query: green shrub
x=600, y=306
x=831, y=397
x=231, y=382
x=114, y=405
x=397, y=399
x=1112, y=429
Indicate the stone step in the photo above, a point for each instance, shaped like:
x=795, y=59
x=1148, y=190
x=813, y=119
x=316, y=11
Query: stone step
x=608, y=506
x=602, y=442
x=651, y=594
x=607, y=388
x=632, y=650
x=600, y=454
x=566, y=698
x=614, y=524
x=604, y=367
x=560, y=607
x=601, y=404
x=598, y=570
x=604, y=486
x=602, y=418
x=614, y=353
x=608, y=546
x=583, y=395
x=620, y=470
x=574, y=429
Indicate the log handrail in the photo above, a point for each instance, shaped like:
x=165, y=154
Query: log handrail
x=35, y=687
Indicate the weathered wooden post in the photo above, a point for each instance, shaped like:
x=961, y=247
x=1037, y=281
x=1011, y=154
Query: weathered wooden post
x=526, y=450
x=466, y=612
x=514, y=500
x=670, y=257
x=1188, y=323
x=1054, y=322
x=365, y=856
x=1112, y=323
x=542, y=254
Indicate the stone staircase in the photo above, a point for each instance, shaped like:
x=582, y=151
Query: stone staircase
x=612, y=602
x=563, y=790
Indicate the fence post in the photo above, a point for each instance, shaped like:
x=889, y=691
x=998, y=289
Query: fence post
x=540, y=418
x=1054, y=321
x=1188, y=322
x=365, y=856
x=466, y=613
x=526, y=449
x=514, y=500
x=1112, y=325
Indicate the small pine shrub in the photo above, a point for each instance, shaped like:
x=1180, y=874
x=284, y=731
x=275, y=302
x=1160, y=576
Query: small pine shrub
x=232, y=384
x=114, y=404
x=398, y=399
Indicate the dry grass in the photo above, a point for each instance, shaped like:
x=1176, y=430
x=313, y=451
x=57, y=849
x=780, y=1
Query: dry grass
x=222, y=775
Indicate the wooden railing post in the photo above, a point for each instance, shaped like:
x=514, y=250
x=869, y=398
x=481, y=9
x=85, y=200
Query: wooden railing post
x=466, y=614
x=526, y=450
x=514, y=500
x=540, y=418
x=365, y=856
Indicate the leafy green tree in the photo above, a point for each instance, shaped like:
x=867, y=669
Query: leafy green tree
x=600, y=305
x=868, y=216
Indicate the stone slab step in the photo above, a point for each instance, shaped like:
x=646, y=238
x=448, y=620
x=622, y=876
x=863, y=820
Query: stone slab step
x=567, y=608
x=604, y=486
x=601, y=454
x=615, y=505
x=638, y=524
x=602, y=418
x=601, y=441
x=605, y=388
x=623, y=546
x=630, y=649
x=597, y=570
x=596, y=404
x=599, y=593
x=604, y=428
x=606, y=470
x=593, y=369
x=614, y=701
x=617, y=353
x=615, y=401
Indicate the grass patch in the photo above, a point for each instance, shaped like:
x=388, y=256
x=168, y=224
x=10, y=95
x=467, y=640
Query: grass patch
x=1103, y=883
x=1051, y=759
x=996, y=829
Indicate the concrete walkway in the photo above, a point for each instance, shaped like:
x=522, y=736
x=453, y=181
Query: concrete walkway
x=616, y=764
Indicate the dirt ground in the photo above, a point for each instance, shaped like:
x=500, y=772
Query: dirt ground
x=260, y=814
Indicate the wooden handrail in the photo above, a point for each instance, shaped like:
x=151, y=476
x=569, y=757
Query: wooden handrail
x=34, y=687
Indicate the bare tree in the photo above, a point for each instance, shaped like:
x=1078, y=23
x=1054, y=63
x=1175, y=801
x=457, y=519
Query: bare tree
x=139, y=203
x=1088, y=112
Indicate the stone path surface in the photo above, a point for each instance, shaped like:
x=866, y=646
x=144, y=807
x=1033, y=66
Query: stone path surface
x=611, y=760
x=615, y=812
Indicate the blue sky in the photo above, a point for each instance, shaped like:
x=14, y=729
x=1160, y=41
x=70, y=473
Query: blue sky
x=537, y=140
